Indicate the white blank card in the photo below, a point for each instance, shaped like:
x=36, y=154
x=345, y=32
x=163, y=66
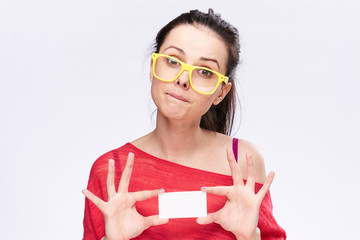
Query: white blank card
x=182, y=204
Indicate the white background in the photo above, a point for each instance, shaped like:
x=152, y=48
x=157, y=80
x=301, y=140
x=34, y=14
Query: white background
x=75, y=83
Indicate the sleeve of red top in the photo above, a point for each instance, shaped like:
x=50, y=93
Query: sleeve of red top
x=94, y=226
x=269, y=228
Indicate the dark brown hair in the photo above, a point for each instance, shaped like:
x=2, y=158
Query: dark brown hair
x=219, y=118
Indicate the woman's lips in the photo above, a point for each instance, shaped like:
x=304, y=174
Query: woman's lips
x=178, y=97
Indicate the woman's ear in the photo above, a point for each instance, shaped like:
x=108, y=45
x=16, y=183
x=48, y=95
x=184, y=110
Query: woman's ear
x=224, y=91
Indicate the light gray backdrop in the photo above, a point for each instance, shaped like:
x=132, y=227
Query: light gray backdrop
x=75, y=84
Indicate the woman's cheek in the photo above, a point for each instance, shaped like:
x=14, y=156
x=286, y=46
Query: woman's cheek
x=204, y=104
x=155, y=90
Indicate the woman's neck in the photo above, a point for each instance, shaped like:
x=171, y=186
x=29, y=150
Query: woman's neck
x=177, y=140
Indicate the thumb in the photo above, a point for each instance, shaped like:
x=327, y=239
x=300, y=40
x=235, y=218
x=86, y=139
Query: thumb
x=208, y=219
x=154, y=220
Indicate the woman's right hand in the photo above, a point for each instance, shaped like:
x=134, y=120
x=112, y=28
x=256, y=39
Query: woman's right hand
x=122, y=221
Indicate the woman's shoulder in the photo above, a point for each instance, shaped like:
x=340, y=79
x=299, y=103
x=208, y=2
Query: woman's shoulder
x=100, y=165
x=245, y=147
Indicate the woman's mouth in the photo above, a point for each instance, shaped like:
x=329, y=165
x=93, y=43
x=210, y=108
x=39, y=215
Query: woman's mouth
x=178, y=97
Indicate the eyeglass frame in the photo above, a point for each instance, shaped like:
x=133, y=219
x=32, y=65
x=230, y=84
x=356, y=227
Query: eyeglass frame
x=189, y=69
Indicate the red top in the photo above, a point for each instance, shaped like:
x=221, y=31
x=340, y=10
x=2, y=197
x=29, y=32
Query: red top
x=150, y=173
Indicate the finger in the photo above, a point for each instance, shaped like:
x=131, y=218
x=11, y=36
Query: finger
x=219, y=190
x=235, y=169
x=250, y=183
x=266, y=186
x=126, y=175
x=110, y=185
x=154, y=220
x=143, y=195
x=94, y=199
x=210, y=218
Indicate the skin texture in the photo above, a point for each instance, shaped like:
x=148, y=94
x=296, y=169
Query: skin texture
x=179, y=138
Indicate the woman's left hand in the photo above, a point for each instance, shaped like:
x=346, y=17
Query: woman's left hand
x=241, y=211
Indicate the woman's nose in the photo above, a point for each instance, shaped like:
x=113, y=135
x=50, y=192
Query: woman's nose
x=183, y=80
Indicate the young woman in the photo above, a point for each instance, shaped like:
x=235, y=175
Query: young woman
x=193, y=87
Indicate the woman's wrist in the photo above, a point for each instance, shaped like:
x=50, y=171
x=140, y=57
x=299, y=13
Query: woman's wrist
x=254, y=236
x=105, y=238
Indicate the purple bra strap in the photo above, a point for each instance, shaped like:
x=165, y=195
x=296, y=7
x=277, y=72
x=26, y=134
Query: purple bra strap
x=235, y=148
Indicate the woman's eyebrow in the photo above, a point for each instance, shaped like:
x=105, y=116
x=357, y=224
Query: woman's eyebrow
x=179, y=49
x=211, y=60
x=202, y=58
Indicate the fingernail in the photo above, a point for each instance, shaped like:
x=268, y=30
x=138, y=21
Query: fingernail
x=203, y=187
x=161, y=189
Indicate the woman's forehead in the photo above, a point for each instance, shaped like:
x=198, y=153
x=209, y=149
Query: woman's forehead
x=196, y=42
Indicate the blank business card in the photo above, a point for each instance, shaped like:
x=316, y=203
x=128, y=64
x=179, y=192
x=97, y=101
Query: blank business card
x=182, y=204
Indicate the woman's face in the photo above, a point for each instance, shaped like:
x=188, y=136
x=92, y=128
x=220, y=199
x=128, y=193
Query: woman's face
x=198, y=46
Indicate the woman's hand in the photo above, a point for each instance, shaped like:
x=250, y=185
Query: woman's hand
x=122, y=221
x=241, y=211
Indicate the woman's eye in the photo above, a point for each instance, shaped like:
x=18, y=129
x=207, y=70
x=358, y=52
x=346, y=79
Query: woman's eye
x=205, y=73
x=172, y=61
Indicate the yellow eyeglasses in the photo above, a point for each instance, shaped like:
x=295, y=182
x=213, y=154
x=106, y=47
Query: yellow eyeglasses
x=202, y=80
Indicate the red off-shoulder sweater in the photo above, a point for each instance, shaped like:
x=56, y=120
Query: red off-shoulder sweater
x=149, y=173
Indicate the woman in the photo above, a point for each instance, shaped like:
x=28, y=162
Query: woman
x=193, y=87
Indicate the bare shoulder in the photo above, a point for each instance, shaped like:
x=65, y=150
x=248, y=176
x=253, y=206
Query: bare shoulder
x=246, y=147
